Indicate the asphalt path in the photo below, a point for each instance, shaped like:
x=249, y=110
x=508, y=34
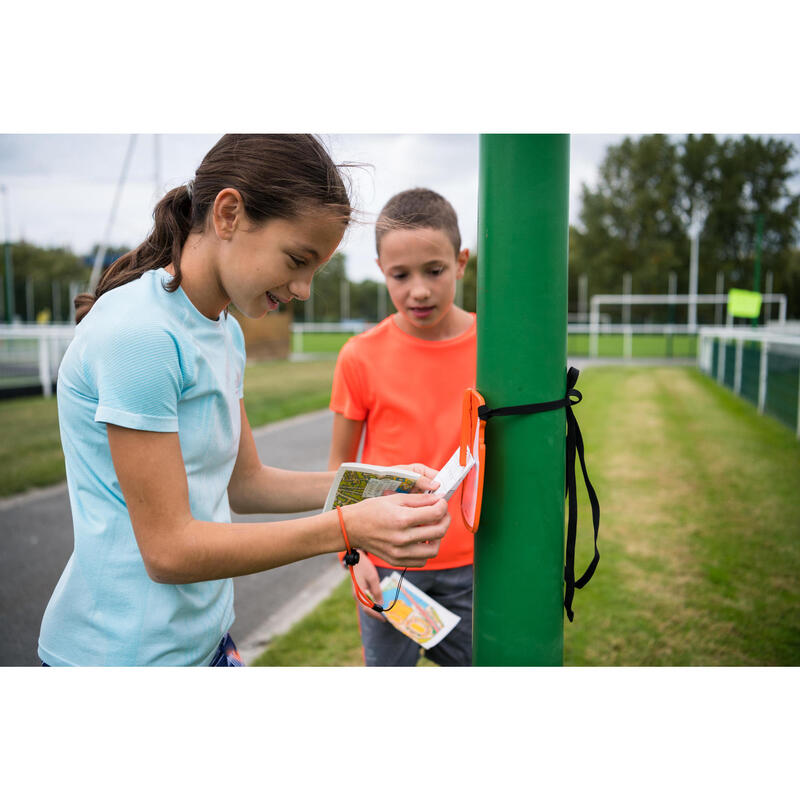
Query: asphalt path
x=36, y=542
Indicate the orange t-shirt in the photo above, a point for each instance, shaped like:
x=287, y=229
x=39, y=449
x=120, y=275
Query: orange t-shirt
x=410, y=391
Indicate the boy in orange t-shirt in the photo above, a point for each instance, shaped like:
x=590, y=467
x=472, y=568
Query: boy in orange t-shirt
x=402, y=384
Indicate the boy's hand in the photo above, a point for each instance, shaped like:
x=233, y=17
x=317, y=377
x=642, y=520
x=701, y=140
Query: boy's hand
x=425, y=482
x=367, y=576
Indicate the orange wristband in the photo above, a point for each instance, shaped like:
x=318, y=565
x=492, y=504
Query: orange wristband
x=351, y=558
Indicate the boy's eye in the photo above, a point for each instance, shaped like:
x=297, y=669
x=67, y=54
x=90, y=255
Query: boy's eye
x=298, y=262
x=437, y=271
x=398, y=276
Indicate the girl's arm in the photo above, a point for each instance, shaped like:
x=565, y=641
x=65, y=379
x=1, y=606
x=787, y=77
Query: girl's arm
x=255, y=488
x=345, y=440
x=403, y=529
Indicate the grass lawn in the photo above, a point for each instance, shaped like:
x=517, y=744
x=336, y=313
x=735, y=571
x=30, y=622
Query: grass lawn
x=30, y=447
x=609, y=345
x=643, y=345
x=699, y=535
x=324, y=342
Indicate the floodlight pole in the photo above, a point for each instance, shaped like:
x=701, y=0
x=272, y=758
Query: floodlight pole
x=102, y=247
x=9, y=264
x=522, y=351
x=757, y=264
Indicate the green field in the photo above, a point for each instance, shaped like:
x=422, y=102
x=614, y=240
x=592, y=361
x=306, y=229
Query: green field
x=30, y=447
x=323, y=342
x=609, y=345
x=699, y=537
x=645, y=345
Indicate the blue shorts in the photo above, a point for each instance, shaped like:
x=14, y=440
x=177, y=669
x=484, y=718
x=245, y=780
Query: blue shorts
x=226, y=656
x=385, y=646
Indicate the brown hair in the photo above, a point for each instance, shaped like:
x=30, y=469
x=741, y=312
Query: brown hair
x=418, y=208
x=278, y=176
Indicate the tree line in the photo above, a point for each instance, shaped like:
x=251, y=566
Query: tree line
x=650, y=194
x=653, y=189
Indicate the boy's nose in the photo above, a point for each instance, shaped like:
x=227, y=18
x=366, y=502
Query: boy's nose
x=419, y=291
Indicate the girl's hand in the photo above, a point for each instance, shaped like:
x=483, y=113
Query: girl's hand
x=402, y=529
x=367, y=576
x=425, y=482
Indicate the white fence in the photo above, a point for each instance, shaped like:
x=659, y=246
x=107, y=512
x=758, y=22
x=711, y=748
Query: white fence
x=298, y=353
x=688, y=300
x=760, y=364
x=627, y=331
x=30, y=354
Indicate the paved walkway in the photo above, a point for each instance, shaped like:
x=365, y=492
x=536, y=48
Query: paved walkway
x=36, y=541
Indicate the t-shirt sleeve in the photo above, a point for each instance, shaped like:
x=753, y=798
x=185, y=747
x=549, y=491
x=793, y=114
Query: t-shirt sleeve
x=138, y=374
x=348, y=393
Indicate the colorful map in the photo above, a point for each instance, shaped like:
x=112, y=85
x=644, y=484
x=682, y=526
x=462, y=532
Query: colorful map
x=416, y=614
x=355, y=485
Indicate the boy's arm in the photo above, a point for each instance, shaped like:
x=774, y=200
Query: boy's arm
x=345, y=439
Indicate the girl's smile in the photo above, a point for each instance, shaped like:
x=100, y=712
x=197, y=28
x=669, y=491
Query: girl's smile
x=256, y=267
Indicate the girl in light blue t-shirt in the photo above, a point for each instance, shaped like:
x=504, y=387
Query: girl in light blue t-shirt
x=156, y=441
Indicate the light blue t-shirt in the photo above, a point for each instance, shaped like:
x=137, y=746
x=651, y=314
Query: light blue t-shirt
x=147, y=359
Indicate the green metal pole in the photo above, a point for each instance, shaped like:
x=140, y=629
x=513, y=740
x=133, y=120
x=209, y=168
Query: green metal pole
x=522, y=351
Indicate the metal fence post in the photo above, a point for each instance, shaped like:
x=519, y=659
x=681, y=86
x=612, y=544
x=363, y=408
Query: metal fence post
x=798, y=401
x=762, y=378
x=594, y=329
x=44, y=366
x=737, y=372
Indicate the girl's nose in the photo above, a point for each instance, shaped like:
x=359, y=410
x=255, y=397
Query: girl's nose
x=301, y=289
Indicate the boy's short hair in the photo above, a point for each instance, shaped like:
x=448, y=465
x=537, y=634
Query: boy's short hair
x=418, y=208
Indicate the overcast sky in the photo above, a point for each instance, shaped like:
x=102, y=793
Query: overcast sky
x=60, y=187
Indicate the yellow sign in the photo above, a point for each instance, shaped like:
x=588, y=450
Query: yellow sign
x=742, y=303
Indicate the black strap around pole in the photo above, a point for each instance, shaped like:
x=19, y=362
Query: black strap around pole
x=574, y=444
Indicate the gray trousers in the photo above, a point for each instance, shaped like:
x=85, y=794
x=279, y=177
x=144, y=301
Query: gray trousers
x=385, y=646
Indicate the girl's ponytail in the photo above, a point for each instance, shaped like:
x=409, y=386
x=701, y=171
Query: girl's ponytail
x=172, y=225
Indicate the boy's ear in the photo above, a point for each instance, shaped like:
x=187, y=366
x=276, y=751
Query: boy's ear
x=378, y=262
x=461, y=263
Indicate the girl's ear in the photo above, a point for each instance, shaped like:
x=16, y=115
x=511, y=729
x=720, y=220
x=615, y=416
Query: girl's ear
x=227, y=212
x=461, y=263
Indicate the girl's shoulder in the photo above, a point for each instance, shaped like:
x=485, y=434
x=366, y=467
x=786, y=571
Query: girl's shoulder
x=137, y=322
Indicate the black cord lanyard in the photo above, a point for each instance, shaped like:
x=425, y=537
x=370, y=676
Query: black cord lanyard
x=574, y=442
x=351, y=558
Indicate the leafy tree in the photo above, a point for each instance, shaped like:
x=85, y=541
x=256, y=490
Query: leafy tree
x=364, y=300
x=651, y=189
x=470, y=283
x=46, y=270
